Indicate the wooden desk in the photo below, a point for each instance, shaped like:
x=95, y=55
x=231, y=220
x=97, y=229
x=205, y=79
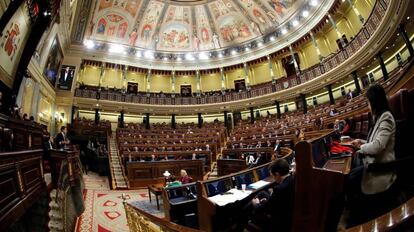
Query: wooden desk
x=142, y=174
x=179, y=202
x=157, y=191
x=228, y=166
x=213, y=217
x=21, y=184
x=74, y=167
x=316, y=187
x=342, y=165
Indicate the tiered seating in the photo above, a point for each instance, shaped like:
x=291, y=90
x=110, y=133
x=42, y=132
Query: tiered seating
x=88, y=127
x=186, y=143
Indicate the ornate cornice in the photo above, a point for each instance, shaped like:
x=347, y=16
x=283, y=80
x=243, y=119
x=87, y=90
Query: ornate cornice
x=387, y=26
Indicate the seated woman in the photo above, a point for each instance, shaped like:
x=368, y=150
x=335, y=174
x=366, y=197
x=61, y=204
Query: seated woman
x=369, y=192
x=185, y=178
x=274, y=212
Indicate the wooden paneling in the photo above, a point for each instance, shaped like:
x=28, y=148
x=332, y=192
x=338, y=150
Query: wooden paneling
x=26, y=134
x=21, y=182
x=228, y=166
x=140, y=174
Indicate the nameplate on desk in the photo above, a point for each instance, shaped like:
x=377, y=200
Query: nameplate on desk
x=229, y=197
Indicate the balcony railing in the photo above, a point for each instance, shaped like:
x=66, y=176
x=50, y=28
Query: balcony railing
x=311, y=73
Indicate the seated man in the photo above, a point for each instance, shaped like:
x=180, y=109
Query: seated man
x=275, y=211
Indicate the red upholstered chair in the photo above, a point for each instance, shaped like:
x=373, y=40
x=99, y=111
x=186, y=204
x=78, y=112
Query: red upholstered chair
x=400, y=107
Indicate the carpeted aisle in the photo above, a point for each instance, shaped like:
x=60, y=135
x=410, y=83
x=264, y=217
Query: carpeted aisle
x=104, y=210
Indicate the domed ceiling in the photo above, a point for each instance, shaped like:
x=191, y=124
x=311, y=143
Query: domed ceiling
x=185, y=33
x=187, y=25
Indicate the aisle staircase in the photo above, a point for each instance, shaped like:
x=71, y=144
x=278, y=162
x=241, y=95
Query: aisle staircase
x=119, y=180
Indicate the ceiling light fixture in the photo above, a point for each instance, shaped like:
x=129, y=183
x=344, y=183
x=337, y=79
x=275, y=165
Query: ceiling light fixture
x=189, y=57
x=116, y=48
x=234, y=52
x=149, y=54
x=284, y=31
x=313, y=2
x=305, y=13
x=203, y=56
x=89, y=44
x=295, y=23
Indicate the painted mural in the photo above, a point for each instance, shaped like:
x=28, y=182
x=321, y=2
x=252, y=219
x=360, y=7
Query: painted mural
x=175, y=32
x=53, y=62
x=261, y=20
x=168, y=26
x=282, y=8
x=13, y=39
x=234, y=29
x=175, y=36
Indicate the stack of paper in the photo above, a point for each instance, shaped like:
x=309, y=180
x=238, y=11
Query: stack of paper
x=258, y=184
x=229, y=197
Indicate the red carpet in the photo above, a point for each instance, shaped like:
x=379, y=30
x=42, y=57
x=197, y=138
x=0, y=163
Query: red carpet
x=104, y=210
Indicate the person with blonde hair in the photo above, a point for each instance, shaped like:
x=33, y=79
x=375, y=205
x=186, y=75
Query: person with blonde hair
x=185, y=178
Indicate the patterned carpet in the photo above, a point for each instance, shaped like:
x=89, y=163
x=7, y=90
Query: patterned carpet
x=104, y=210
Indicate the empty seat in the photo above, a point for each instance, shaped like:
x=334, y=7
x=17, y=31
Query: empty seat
x=366, y=124
x=399, y=104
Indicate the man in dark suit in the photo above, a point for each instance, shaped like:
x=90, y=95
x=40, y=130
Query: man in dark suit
x=277, y=147
x=66, y=77
x=275, y=211
x=61, y=138
x=49, y=144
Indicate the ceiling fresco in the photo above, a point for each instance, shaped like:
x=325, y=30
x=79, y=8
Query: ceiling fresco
x=187, y=26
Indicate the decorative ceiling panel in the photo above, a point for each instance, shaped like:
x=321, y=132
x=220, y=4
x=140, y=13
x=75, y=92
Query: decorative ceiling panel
x=186, y=26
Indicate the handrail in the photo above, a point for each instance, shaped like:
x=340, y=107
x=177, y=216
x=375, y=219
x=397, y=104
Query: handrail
x=395, y=220
x=15, y=154
x=139, y=220
x=108, y=144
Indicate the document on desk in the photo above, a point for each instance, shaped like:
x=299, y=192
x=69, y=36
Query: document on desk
x=258, y=184
x=229, y=197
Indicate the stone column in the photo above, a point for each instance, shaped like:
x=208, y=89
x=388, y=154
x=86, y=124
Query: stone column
x=315, y=44
x=304, y=103
x=279, y=114
x=148, y=81
x=331, y=97
x=403, y=33
x=338, y=33
x=356, y=82
x=382, y=64
x=295, y=63
x=251, y=115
